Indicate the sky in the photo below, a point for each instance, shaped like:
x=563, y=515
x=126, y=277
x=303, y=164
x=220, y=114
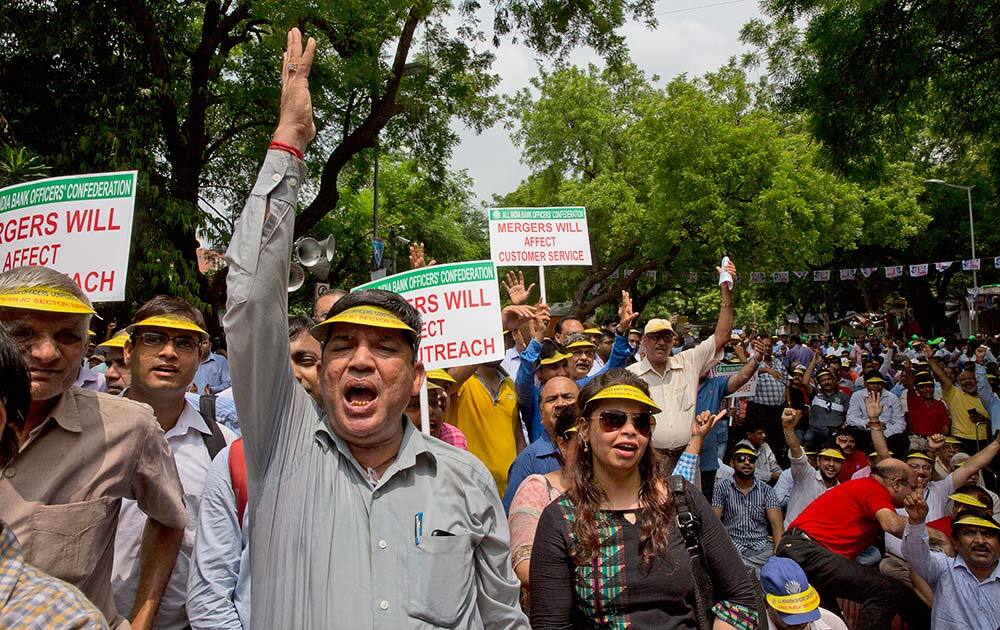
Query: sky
x=692, y=37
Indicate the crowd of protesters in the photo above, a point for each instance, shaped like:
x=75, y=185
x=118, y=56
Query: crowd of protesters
x=597, y=477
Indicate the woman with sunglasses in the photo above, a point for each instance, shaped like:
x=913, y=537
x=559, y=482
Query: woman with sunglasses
x=536, y=492
x=608, y=553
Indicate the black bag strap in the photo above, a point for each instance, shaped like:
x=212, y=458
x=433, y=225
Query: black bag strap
x=216, y=441
x=690, y=528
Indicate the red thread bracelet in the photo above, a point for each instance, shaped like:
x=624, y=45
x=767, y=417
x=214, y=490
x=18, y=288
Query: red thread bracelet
x=281, y=146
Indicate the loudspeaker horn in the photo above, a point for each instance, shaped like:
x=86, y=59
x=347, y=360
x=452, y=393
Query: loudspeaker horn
x=296, y=277
x=309, y=251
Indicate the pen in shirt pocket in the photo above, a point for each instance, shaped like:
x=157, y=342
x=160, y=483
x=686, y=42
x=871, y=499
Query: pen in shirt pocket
x=418, y=527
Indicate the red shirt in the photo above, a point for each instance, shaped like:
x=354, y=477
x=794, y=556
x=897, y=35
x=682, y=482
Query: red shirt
x=854, y=462
x=842, y=519
x=925, y=417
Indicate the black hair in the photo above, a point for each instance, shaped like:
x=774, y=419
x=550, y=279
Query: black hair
x=566, y=418
x=979, y=491
x=559, y=324
x=298, y=324
x=392, y=302
x=166, y=305
x=15, y=389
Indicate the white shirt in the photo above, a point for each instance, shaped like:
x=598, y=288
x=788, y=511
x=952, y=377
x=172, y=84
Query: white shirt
x=807, y=484
x=511, y=361
x=191, y=456
x=938, y=505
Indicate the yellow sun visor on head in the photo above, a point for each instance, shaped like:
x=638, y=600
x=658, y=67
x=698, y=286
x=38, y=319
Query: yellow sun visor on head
x=440, y=375
x=744, y=450
x=625, y=392
x=51, y=299
x=875, y=379
x=967, y=499
x=432, y=385
x=952, y=440
x=555, y=358
x=118, y=341
x=362, y=315
x=832, y=453
x=918, y=455
x=174, y=322
x=806, y=601
x=581, y=343
x=592, y=331
x=978, y=521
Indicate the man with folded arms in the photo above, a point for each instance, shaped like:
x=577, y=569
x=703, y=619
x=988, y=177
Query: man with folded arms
x=80, y=454
x=357, y=520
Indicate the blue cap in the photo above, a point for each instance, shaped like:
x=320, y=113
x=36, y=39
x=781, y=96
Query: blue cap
x=788, y=592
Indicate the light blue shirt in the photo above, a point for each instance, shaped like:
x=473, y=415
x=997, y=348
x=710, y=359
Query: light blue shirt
x=990, y=400
x=892, y=412
x=960, y=599
x=219, y=575
x=214, y=372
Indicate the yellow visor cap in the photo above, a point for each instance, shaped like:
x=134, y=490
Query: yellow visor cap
x=806, y=601
x=168, y=321
x=51, y=299
x=832, y=453
x=440, y=375
x=362, y=315
x=118, y=341
x=592, y=331
x=581, y=343
x=952, y=440
x=432, y=385
x=918, y=455
x=555, y=358
x=743, y=450
x=967, y=499
x=978, y=521
x=625, y=392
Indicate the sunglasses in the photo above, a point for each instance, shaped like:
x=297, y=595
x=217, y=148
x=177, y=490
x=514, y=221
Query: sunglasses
x=743, y=459
x=613, y=420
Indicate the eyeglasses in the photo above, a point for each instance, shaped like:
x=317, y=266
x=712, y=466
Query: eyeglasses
x=157, y=340
x=613, y=420
x=743, y=459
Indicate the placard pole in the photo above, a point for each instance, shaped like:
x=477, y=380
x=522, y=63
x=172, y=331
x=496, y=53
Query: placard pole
x=425, y=417
x=541, y=283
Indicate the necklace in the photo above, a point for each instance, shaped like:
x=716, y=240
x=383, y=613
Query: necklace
x=373, y=475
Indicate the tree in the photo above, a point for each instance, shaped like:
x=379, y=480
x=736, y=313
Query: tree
x=187, y=92
x=674, y=178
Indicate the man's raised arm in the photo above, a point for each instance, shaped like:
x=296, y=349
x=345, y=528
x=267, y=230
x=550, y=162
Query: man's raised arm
x=259, y=258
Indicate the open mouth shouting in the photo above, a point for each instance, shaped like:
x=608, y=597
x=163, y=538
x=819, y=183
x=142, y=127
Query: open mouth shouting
x=165, y=370
x=360, y=397
x=625, y=450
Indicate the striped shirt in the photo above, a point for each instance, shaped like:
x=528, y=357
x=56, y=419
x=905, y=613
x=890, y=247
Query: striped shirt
x=745, y=515
x=32, y=600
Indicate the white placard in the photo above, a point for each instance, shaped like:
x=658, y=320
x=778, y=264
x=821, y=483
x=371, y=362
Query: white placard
x=80, y=225
x=539, y=237
x=459, y=304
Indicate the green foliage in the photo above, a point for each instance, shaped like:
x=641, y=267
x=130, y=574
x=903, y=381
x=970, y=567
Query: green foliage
x=674, y=178
x=17, y=165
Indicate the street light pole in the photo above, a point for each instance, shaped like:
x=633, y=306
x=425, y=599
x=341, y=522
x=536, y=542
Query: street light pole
x=974, y=323
x=375, y=265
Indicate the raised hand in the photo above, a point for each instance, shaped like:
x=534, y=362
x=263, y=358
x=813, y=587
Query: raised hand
x=705, y=422
x=542, y=317
x=935, y=442
x=790, y=418
x=295, y=122
x=873, y=405
x=417, y=259
x=514, y=284
x=516, y=315
x=981, y=354
x=625, y=314
x=916, y=507
x=730, y=267
x=758, y=348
